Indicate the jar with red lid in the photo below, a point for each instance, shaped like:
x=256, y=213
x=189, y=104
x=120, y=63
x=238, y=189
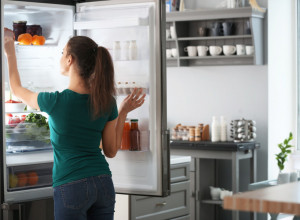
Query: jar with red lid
x=19, y=27
x=34, y=29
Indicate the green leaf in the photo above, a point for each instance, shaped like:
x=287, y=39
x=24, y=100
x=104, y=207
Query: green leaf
x=289, y=151
x=285, y=142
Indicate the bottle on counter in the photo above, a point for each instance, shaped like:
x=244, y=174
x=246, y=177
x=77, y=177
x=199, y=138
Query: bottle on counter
x=125, y=144
x=135, y=139
x=132, y=50
x=223, y=129
x=215, y=130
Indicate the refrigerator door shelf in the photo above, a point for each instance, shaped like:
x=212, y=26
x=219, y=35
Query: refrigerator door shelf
x=111, y=23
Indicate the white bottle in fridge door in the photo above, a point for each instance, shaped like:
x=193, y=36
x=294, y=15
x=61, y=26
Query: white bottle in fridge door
x=116, y=50
x=223, y=129
x=215, y=130
x=133, y=50
x=125, y=50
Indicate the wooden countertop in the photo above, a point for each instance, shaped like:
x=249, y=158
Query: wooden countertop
x=276, y=199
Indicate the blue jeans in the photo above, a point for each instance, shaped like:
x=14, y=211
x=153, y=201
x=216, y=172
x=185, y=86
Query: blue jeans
x=91, y=198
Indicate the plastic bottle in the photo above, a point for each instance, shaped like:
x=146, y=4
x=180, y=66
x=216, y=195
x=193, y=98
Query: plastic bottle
x=223, y=129
x=116, y=50
x=132, y=50
x=215, y=130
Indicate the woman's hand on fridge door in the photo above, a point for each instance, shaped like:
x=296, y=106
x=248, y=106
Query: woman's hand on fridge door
x=9, y=45
x=133, y=101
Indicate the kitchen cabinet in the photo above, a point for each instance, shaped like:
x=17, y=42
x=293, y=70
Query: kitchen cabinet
x=205, y=155
x=247, y=30
x=176, y=206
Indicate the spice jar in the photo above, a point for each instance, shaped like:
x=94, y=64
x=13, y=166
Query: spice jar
x=19, y=27
x=197, y=134
x=201, y=129
x=185, y=135
x=180, y=133
x=174, y=134
x=192, y=134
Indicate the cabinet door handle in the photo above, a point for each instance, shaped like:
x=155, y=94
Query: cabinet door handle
x=161, y=204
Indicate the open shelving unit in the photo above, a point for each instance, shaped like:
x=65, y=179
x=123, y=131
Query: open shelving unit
x=248, y=30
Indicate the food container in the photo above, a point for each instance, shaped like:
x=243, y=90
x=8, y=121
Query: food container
x=34, y=29
x=26, y=137
x=14, y=107
x=19, y=27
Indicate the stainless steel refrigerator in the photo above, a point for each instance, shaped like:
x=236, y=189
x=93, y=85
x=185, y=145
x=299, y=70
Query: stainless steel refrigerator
x=133, y=32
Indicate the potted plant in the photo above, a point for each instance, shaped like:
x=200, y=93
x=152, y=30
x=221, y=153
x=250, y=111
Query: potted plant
x=285, y=150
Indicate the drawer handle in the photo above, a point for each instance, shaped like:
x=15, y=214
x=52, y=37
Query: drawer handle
x=161, y=204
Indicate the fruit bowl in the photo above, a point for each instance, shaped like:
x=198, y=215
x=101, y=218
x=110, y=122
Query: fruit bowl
x=14, y=107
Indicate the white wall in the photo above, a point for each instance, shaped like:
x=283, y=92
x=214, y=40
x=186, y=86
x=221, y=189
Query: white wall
x=195, y=94
x=282, y=76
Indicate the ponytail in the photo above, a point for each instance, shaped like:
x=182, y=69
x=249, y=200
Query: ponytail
x=96, y=68
x=102, y=84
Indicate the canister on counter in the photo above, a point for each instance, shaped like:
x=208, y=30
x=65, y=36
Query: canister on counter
x=174, y=134
x=19, y=27
x=197, y=134
x=192, y=134
x=180, y=133
x=185, y=134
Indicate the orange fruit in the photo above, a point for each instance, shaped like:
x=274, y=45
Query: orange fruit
x=22, y=179
x=38, y=40
x=33, y=178
x=25, y=39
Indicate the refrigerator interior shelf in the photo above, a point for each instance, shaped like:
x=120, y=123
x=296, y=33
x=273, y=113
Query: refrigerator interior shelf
x=25, y=112
x=111, y=23
x=37, y=157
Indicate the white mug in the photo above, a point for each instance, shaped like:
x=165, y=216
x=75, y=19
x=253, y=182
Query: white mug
x=240, y=49
x=169, y=53
x=173, y=32
x=229, y=50
x=202, y=51
x=174, y=52
x=215, y=50
x=249, y=50
x=191, y=50
x=168, y=33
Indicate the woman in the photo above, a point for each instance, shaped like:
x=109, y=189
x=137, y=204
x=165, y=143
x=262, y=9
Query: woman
x=79, y=118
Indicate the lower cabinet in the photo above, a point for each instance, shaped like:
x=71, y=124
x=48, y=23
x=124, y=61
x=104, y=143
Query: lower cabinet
x=176, y=206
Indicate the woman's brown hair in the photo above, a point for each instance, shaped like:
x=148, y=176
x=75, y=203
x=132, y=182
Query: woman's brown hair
x=96, y=69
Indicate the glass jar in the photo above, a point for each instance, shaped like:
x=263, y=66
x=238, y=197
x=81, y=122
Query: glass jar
x=197, y=134
x=192, y=134
x=135, y=143
x=34, y=29
x=174, y=134
x=19, y=27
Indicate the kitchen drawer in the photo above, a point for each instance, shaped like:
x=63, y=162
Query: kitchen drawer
x=186, y=217
x=180, y=172
x=161, y=208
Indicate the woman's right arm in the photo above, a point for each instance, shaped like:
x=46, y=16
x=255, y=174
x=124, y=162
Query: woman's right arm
x=113, y=130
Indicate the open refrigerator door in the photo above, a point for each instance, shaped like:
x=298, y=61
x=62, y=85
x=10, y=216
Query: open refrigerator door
x=131, y=31
x=27, y=151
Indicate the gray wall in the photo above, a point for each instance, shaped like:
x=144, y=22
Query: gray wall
x=195, y=94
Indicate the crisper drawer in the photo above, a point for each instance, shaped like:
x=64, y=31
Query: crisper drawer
x=158, y=208
x=29, y=176
x=180, y=172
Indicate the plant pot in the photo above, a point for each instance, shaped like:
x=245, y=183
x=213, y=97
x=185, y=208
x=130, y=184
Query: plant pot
x=293, y=177
x=283, y=178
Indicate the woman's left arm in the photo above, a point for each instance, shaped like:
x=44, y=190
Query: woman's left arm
x=27, y=96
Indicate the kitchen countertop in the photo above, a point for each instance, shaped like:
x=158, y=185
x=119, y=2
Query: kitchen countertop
x=179, y=159
x=283, y=198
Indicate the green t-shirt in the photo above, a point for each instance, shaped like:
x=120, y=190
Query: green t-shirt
x=75, y=137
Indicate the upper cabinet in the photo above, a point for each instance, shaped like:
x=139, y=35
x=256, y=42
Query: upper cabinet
x=214, y=37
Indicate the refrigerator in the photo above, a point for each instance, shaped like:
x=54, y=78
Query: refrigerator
x=133, y=32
